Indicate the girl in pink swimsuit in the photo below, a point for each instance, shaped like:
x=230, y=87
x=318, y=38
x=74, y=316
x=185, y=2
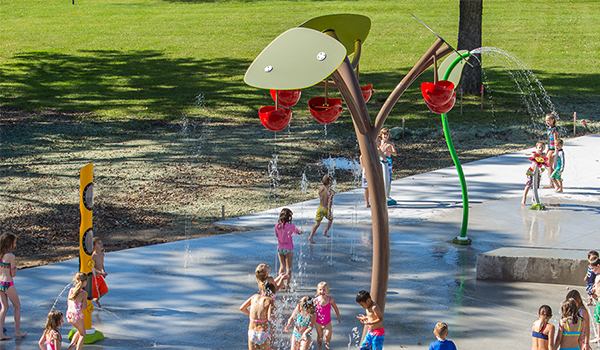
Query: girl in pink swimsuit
x=323, y=305
x=51, y=339
x=77, y=300
x=8, y=270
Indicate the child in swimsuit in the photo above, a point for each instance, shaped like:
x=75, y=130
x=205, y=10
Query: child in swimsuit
x=570, y=333
x=303, y=319
x=386, y=149
x=76, y=302
x=51, y=338
x=284, y=229
x=583, y=314
x=262, y=273
x=100, y=287
x=323, y=305
x=373, y=319
x=552, y=132
x=8, y=270
x=326, y=194
x=260, y=309
x=542, y=332
x=590, y=277
x=559, y=167
x=539, y=151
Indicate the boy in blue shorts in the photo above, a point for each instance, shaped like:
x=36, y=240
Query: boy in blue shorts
x=590, y=277
x=441, y=332
x=324, y=211
x=373, y=320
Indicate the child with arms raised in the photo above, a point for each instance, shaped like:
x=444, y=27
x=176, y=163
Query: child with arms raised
x=323, y=305
x=542, y=332
x=100, y=287
x=51, y=338
x=8, y=270
x=373, y=320
x=324, y=210
x=260, y=309
x=284, y=229
x=77, y=302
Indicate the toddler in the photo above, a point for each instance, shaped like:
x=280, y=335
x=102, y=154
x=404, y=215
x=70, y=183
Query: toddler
x=590, y=277
x=323, y=305
x=303, y=319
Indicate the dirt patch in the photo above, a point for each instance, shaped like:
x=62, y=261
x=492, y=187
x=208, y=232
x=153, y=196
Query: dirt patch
x=159, y=182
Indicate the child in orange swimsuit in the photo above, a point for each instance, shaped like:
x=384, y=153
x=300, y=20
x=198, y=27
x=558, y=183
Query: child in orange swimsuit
x=260, y=309
x=100, y=287
x=77, y=301
x=323, y=305
x=8, y=270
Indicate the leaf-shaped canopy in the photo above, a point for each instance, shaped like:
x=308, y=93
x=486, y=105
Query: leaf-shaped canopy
x=455, y=64
x=297, y=59
x=348, y=28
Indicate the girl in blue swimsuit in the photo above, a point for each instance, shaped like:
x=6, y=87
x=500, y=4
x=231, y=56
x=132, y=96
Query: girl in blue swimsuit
x=570, y=332
x=303, y=318
x=542, y=332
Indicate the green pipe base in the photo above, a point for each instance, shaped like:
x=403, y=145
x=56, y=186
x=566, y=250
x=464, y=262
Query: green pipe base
x=89, y=337
x=461, y=240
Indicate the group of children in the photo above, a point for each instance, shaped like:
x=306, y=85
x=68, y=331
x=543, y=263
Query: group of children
x=552, y=156
x=77, y=299
x=573, y=331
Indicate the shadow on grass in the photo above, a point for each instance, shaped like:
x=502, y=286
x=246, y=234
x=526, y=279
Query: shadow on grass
x=137, y=82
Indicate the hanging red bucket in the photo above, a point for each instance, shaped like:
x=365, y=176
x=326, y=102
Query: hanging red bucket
x=325, y=113
x=287, y=98
x=442, y=108
x=274, y=120
x=438, y=93
x=367, y=92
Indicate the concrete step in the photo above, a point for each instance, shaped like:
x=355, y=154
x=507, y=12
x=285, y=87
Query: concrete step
x=540, y=265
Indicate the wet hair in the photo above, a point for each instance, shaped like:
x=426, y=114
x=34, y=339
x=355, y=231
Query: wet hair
x=78, y=280
x=323, y=284
x=574, y=294
x=285, y=216
x=53, y=321
x=569, y=310
x=261, y=272
x=306, y=303
x=326, y=179
x=7, y=240
x=269, y=289
x=546, y=312
x=441, y=329
x=592, y=253
x=362, y=296
x=552, y=116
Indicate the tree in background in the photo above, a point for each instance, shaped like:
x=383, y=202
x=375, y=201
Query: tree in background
x=469, y=38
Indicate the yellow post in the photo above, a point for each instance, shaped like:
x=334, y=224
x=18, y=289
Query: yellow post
x=86, y=247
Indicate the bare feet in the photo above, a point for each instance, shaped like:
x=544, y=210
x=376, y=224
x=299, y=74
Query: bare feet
x=20, y=334
x=368, y=205
x=549, y=186
x=4, y=337
x=558, y=190
x=311, y=241
x=523, y=203
x=325, y=234
x=97, y=301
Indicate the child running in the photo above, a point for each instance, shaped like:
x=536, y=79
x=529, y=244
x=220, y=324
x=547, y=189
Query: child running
x=8, y=270
x=323, y=305
x=542, y=332
x=260, y=309
x=539, y=151
x=441, y=332
x=373, y=320
x=284, y=229
x=583, y=314
x=590, y=277
x=77, y=302
x=303, y=319
x=552, y=132
x=559, y=167
x=100, y=287
x=324, y=211
x=51, y=338
x=570, y=333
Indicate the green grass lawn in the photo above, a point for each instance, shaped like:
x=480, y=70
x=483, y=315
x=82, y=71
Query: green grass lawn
x=161, y=59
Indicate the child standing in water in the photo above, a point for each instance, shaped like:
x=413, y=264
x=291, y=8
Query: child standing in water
x=539, y=151
x=8, y=270
x=284, y=229
x=386, y=149
x=324, y=211
x=100, y=287
x=303, y=319
x=77, y=302
x=323, y=305
x=583, y=314
x=570, y=332
x=542, y=332
x=262, y=273
x=559, y=167
x=552, y=132
x=590, y=277
x=51, y=338
x=373, y=320
x=260, y=309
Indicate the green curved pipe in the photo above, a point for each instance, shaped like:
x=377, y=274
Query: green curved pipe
x=462, y=239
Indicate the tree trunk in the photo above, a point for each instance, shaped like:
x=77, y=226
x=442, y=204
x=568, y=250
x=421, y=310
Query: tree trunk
x=469, y=38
